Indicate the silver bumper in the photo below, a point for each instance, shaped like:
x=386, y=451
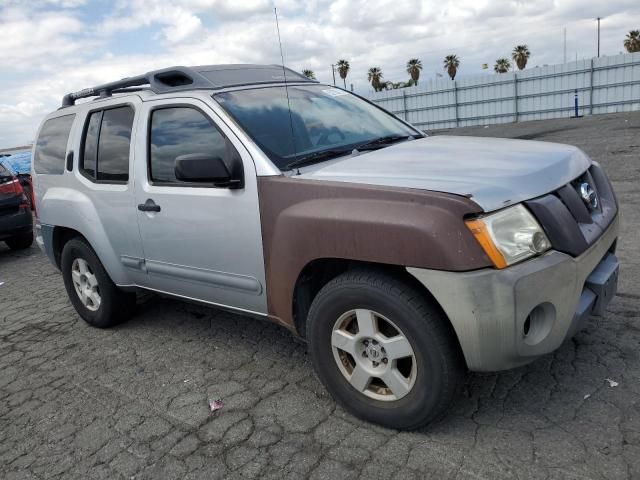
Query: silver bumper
x=507, y=318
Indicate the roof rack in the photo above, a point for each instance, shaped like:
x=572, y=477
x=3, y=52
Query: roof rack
x=179, y=78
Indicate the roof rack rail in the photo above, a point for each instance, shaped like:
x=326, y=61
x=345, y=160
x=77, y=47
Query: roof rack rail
x=188, y=78
x=103, y=90
x=158, y=80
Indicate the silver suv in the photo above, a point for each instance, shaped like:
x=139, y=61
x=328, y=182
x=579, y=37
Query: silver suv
x=403, y=260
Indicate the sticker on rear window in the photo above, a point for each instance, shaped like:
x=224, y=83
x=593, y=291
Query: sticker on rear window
x=334, y=92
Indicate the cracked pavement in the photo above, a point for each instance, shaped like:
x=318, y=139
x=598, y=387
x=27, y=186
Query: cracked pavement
x=132, y=401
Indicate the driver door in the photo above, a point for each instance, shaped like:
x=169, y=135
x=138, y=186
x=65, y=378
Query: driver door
x=200, y=241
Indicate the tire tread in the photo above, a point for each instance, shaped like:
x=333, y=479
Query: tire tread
x=453, y=376
x=119, y=304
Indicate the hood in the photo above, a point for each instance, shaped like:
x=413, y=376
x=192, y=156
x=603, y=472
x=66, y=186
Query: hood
x=492, y=172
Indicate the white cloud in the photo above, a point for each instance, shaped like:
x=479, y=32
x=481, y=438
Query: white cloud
x=177, y=23
x=180, y=19
x=28, y=38
x=66, y=3
x=51, y=47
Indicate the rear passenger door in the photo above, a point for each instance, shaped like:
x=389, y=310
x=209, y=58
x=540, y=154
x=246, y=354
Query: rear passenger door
x=204, y=242
x=105, y=171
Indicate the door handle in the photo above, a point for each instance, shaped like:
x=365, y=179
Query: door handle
x=149, y=206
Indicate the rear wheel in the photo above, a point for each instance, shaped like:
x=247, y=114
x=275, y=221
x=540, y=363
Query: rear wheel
x=95, y=297
x=20, y=242
x=383, y=351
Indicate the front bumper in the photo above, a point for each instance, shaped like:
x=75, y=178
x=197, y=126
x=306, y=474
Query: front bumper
x=507, y=318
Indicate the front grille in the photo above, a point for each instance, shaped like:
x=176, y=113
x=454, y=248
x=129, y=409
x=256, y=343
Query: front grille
x=570, y=223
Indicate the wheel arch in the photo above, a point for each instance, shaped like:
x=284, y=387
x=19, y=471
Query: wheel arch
x=60, y=237
x=317, y=273
x=71, y=213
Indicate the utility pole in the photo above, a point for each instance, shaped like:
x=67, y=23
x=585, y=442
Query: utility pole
x=333, y=71
x=565, y=45
x=598, y=37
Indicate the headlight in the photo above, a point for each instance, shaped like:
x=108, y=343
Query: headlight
x=509, y=236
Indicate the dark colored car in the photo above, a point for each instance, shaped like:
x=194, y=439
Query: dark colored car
x=16, y=221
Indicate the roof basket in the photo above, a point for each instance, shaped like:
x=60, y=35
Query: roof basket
x=188, y=78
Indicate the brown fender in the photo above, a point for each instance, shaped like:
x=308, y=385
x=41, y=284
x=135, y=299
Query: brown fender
x=306, y=220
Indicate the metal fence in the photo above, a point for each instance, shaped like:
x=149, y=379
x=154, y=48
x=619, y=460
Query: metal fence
x=601, y=85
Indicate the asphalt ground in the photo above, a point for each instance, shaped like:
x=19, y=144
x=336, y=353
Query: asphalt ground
x=132, y=401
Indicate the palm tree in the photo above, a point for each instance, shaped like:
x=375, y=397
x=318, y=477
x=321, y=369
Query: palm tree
x=343, y=70
x=309, y=74
x=632, y=42
x=503, y=65
x=413, y=68
x=521, y=55
x=375, y=77
x=451, y=64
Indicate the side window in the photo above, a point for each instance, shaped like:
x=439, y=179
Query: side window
x=179, y=131
x=107, y=142
x=88, y=161
x=114, y=143
x=51, y=145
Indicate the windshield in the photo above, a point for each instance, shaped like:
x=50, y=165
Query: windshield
x=322, y=118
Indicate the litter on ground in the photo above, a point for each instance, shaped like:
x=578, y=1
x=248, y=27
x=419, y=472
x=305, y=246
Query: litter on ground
x=612, y=383
x=216, y=404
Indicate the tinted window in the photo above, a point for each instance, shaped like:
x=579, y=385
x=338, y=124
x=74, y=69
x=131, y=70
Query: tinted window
x=88, y=162
x=180, y=131
x=52, y=145
x=107, y=143
x=308, y=119
x=113, y=146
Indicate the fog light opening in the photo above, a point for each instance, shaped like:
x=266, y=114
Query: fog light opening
x=527, y=326
x=538, y=323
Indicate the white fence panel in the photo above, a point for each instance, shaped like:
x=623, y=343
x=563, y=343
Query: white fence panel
x=601, y=85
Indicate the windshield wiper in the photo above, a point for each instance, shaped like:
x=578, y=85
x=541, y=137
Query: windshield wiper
x=318, y=156
x=383, y=141
x=334, y=152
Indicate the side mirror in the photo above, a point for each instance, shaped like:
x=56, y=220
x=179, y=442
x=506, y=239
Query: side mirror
x=203, y=168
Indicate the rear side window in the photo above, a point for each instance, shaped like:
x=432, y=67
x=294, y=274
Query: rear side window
x=105, y=153
x=179, y=131
x=91, y=145
x=52, y=145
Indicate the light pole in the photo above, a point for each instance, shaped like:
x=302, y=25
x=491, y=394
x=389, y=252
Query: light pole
x=598, y=37
x=333, y=71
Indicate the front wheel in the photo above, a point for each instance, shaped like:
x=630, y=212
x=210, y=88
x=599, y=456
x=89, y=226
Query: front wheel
x=95, y=297
x=383, y=351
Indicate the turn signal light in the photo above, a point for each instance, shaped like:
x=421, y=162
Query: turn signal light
x=480, y=231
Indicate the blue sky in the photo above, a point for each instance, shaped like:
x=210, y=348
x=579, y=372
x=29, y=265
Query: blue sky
x=50, y=47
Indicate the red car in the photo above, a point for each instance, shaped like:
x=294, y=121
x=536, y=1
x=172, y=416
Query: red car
x=16, y=221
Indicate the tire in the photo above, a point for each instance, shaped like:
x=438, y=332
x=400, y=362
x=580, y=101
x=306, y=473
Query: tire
x=398, y=310
x=112, y=305
x=20, y=242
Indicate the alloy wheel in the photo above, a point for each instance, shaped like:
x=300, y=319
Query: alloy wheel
x=85, y=284
x=374, y=355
